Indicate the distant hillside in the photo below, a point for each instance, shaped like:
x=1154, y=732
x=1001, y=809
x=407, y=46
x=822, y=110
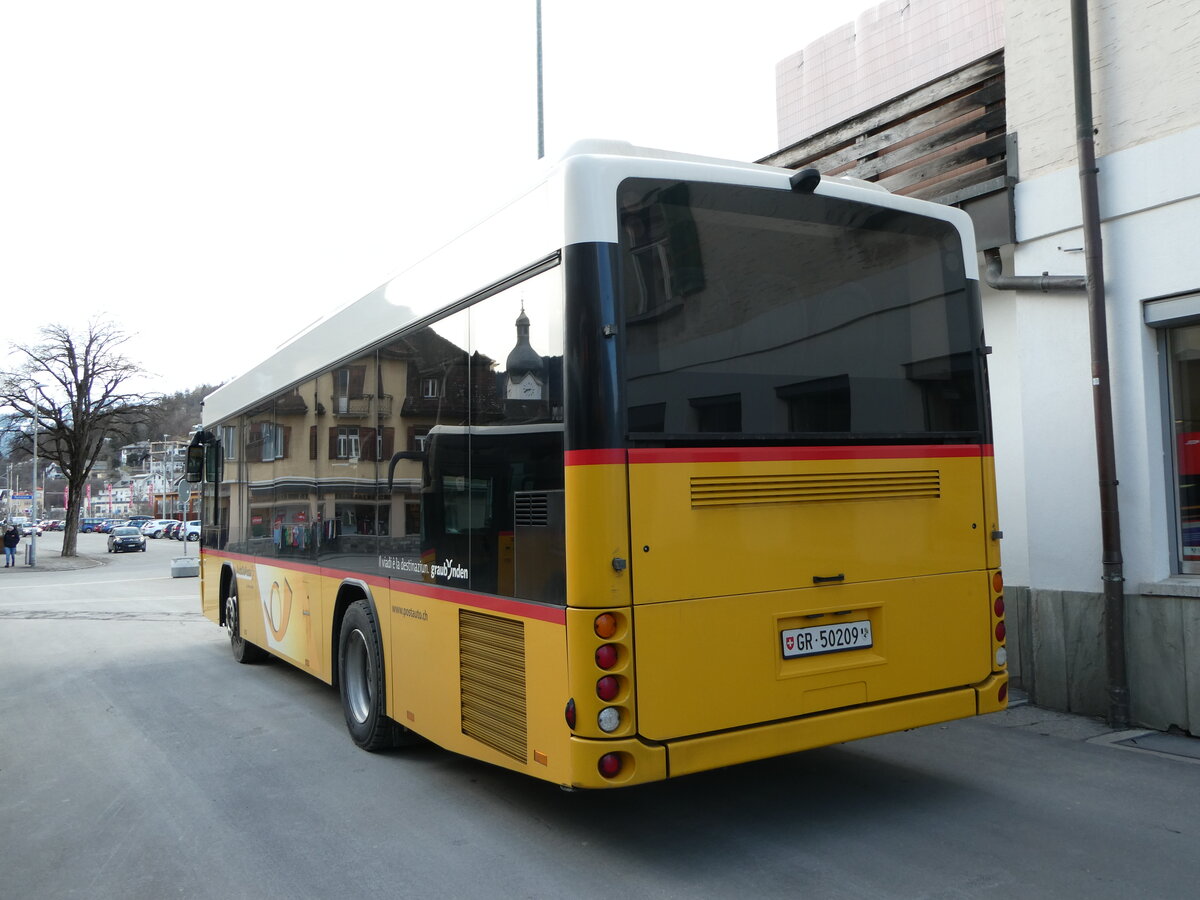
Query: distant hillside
x=177, y=416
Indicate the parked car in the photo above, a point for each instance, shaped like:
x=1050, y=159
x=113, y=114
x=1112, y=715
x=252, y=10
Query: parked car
x=87, y=525
x=139, y=520
x=190, y=530
x=25, y=525
x=172, y=529
x=156, y=528
x=126, y=537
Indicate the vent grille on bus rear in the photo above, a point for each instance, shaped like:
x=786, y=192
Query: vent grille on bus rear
x=768, y=490
x=492, y=673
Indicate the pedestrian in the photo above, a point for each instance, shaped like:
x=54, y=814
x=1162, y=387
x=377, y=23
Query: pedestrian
x=12, y=537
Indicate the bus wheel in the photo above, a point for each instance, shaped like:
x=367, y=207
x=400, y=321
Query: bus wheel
x=243, y=650
x=361, y=682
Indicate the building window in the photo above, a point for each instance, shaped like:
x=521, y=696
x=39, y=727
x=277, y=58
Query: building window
x=348, y=385
x=229, y=441
x=347, y=443
x=1184, y=360
x=430, y=388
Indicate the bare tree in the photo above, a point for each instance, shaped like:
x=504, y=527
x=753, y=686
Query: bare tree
x=74, y=391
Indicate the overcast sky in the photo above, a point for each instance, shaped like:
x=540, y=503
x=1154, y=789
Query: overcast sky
x=214, y=177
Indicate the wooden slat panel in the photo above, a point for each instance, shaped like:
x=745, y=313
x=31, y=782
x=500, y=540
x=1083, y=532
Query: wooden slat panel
x=882, y=116
x=942, y=165
x=940, y=139
x=867, y=145
x=906, y=155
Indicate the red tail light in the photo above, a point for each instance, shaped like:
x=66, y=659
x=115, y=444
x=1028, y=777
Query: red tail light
x=1003, y=695
x=607, y=687
x=570, y=713
x=999, y=606
x=610, y=765
x=606, y=656
x=1000, y=631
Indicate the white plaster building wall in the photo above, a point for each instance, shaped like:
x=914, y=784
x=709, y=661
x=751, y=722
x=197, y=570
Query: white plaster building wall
x=1145, y=80
x=1145, y=84
x=1150, y=204
x=892, y=48
x=1004, y=377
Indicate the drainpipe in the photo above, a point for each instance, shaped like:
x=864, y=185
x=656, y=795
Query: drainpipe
x=1113, y=576
x=1046, y=283
x=1110, y=521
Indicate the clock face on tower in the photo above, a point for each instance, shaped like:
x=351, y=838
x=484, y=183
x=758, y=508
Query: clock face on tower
x=528, y=388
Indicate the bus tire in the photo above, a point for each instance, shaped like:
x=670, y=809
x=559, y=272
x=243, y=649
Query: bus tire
x=361, y=682
x=243, y=651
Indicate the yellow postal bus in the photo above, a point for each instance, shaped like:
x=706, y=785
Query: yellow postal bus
x=670, y=464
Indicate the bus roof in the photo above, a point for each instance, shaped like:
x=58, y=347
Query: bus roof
x=569, y=202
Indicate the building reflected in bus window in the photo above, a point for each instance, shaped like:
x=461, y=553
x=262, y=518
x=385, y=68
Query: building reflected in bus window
x=751, y=314
x=478, y=486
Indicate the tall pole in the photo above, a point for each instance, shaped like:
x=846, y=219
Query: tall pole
x=540, y=112
x=1113, y=564
x=33, y=506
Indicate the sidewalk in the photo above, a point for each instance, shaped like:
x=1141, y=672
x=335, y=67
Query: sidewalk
x=50, y=558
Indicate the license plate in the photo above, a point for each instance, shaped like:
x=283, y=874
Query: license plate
x=818, y=639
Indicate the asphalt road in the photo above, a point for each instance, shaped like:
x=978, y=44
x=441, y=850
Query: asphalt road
x=137, y=760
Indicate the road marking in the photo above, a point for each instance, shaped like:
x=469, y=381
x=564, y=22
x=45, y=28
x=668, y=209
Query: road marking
x=158, y=598
x=73, y=584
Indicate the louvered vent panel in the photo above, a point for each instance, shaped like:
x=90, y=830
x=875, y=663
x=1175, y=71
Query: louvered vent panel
x=492, y=671
x=769, y=490
x=531, y=509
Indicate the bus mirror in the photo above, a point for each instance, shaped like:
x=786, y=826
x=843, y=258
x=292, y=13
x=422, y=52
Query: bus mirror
x=395, y=459
x=195, y=464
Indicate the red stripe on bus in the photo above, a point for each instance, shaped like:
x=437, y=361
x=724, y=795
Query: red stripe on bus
x=595, y=457
x=555, y=615
x=783, y=454
x=770, y=454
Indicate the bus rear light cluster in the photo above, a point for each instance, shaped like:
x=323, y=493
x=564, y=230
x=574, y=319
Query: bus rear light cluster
x=1000, y=630
x=613, y=659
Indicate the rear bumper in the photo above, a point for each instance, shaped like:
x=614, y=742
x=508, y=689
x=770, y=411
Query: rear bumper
x=780, y=738
x=651, y=761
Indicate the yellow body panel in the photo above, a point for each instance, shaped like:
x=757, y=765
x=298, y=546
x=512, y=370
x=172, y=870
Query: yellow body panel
x=717, y=663
x=799, y=520
x=597, y=535
x=425, y=686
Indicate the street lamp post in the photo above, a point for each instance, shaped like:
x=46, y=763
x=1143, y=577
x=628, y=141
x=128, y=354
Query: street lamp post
x=33, y=505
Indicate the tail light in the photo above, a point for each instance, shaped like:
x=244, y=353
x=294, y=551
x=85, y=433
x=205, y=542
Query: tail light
x=607, y=688
x=610, y=765
x=606, y=656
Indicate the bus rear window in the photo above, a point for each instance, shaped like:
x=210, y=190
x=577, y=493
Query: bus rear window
x=764, y=315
